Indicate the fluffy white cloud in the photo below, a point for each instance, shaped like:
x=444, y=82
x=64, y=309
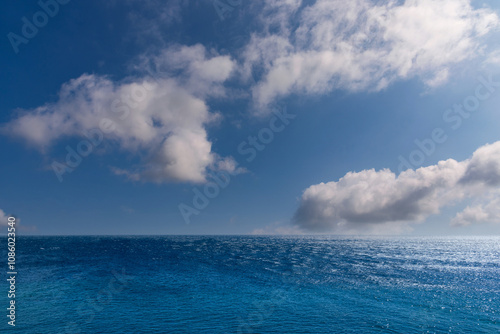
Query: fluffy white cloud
x=361, y=44
x=381, y=201
x=161, y=119
x=484, y=166
x=488, y=212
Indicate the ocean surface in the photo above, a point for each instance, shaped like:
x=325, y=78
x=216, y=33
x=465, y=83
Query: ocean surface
x=242, y=284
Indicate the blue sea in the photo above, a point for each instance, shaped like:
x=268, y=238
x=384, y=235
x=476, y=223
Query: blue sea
x=247, y=284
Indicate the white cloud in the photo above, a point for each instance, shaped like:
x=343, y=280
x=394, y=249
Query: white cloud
x=379, y=201
x=161, y=119
x=484, y=167
x=362, y=45
x=493, y=58
x=440, y=78
x=488, y=212
x=3, y=218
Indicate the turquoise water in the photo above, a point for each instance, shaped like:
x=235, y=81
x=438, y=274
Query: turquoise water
x=181, y=284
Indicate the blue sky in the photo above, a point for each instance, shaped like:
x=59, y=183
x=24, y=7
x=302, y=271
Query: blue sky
x=172, y=92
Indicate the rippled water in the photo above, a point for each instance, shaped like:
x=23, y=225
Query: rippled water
x=181, y=284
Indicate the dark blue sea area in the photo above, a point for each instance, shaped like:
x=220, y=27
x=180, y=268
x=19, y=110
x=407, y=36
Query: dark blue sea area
x=254, y=284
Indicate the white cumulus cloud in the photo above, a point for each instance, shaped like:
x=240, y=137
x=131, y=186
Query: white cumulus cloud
x=382, y=201
x=361, y=44
x=161, y=119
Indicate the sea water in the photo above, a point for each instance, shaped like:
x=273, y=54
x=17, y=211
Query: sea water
x=253, y=284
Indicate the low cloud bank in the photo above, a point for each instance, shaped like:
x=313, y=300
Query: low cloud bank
x=382, y=202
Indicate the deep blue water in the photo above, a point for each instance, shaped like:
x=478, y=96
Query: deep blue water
x=185, y=284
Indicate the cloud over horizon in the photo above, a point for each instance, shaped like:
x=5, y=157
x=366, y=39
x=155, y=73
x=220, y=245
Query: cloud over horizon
x=382, y=202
